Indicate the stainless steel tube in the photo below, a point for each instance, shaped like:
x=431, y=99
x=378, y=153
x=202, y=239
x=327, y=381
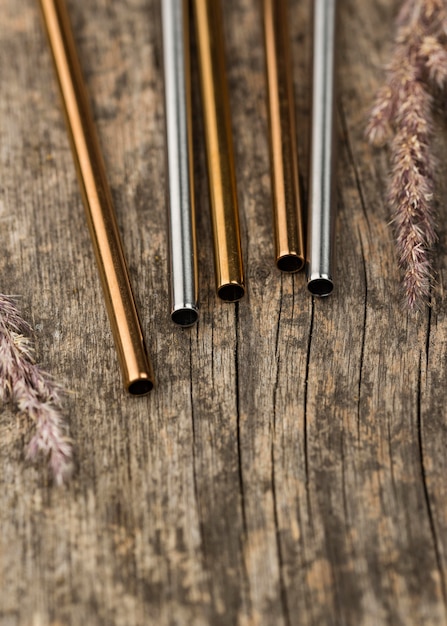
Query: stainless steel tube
x=183, y=251
x=321, y=220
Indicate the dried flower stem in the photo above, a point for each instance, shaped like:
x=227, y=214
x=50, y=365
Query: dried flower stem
x=402, y=117
x=33, y=391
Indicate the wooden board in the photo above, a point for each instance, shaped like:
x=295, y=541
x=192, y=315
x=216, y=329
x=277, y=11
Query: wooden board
x=290, y=466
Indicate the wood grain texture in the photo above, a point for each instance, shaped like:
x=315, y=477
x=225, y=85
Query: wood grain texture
x=289, y=469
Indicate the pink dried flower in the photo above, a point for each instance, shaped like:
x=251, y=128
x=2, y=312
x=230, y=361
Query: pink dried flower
x=402, y=117
x=379, y=129
x=434, y=55
x=33, y=391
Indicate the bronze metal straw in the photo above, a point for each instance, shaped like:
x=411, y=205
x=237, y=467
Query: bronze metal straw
x=287, y=212
x=219, y=147
x=126, y=328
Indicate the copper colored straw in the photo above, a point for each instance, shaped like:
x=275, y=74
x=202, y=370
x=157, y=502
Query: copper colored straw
x=287, y=213
x=126, y=328
x=219, y=147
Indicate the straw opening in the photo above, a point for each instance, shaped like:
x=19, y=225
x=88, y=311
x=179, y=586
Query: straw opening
x=290, y=263
x=185, y=317
x=231, y=292
x=320, y=287
x=140, y=387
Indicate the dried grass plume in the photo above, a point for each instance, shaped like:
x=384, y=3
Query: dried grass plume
x=33, y=391
x=402, y=118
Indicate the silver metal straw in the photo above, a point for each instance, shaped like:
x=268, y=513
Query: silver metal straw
x=321, y=221
x=183, y=249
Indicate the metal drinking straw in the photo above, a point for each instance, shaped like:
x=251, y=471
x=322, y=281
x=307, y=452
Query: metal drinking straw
x=287, y=212
x=183, y=252
x=126, y=328
x=322, y=180
x=219, y=147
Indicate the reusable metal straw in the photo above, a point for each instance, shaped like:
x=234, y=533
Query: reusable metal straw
x=287, y=212
x=126, y=328
x=322, y=180
x=183, y=253
x=219, y=147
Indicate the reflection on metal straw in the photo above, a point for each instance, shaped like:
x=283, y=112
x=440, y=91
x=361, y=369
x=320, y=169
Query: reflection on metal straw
x=287, y=213
x=136, y=370
x=183, y=254
x=219, y=147
x=322, y=179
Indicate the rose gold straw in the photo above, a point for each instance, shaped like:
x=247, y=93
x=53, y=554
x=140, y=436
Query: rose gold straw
x=126, y=328
x=287, y=211
x=228, y=264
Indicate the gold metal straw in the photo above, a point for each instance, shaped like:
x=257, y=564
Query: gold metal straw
x=126, y=328
x=219, y=147
x=287, y=212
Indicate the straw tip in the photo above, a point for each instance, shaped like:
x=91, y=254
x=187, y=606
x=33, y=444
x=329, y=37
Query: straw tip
x=185, y=316
x=140, y=387
x=290, y=263
x=320, y=285
x=231, y=292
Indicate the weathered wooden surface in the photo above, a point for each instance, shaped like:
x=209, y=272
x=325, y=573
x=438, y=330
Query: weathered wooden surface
x=290, y=467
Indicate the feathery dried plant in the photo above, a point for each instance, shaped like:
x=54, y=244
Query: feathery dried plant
x=402, y=118
x=33, y=391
